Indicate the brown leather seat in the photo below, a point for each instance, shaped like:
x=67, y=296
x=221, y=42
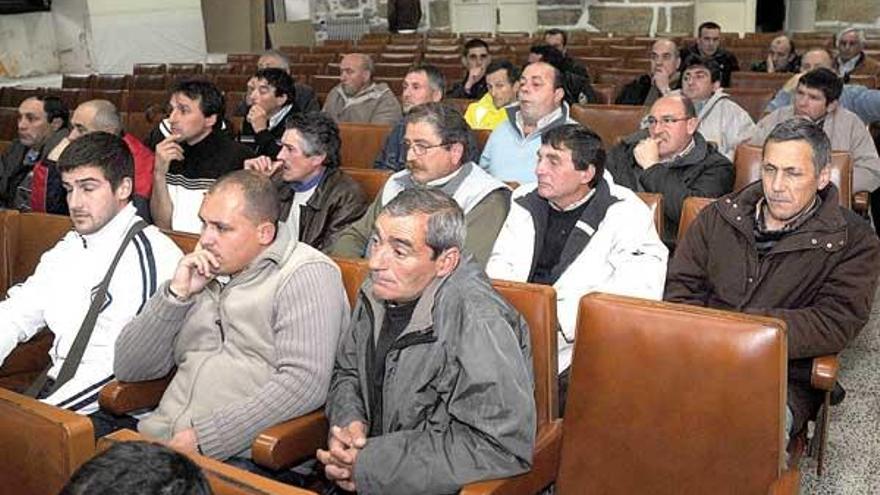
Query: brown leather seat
x=234, y=99
x=745, y=79
x=626, y=52
x=321, y=58
x=655, y=203
x=14, y=95
x=302, y=70
x=637, y=421
x=139, y=100
x=459, y=104
x=482, y=137
x=117, y=97
x=610, y=122
x=110, y=81
x=605, y=93
x=76, y=81
x=395, y=83
x=186, y=69
x=322, y=84
x=399, y=58
x=753, y=100
x=361, y=143
x=149, y=69
x=8, y=124
x=231, y=82
x=223, y=478
x=216, y=69
x=390, y=69
x=153, y=82
x=243, y=58
x=747, y=169
x=451, y=56
x=42, y=444
x=371, y=180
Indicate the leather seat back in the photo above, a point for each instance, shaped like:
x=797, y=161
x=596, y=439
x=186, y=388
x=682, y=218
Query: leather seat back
x=361, y=143
x=610, y=122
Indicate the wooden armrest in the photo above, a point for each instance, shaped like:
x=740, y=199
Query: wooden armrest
x=861, y=202
x=285, y=444
x=124, y=397
x=545, y=463
x=789, y=483
x=825, y=370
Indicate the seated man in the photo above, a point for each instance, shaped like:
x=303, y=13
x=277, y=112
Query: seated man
x=476, y=59
x=579, y=232
x=271, y=96
x=558, y=39
x=510, y=152
x=422, y=84
x=502, y=79
x=456, y=404
x=357, y=98
x=781, y=57
x=851, y=57
x=784, y=248
x=42, y=124
x=193, y=156
x=671, y=158
x=304, y=95
x=858, y=99
x=665, y=76
x=250, y=320
x=436, y=142
x=817, y=97
x=94, y=115
x=721, y=120
x=317, y=199
x=97, y=172
x=577, y=87
x=708, y=45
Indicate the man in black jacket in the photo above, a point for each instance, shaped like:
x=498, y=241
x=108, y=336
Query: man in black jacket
x=476, y=59
x=671, y=158
x=665, y=76
x=708, y=45
x=272, y=96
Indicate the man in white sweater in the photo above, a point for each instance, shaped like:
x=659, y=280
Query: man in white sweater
x=97, y=171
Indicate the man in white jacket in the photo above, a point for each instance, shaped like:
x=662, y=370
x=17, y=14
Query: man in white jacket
x=97, y=171
x=579, y=232
x=721, y=120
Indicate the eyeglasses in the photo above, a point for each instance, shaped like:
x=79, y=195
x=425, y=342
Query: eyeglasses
x=420, y=149
x=667, y=120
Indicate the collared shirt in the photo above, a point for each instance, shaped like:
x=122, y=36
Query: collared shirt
x=574, y=205
x=279, y=116
x=687, y=149
x=303, y=192
x=844, y=68
x=542, y=122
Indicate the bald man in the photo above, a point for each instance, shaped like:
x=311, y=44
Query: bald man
x=92, y=116
x=781, y=57
x=357, y=98
x=664, y=76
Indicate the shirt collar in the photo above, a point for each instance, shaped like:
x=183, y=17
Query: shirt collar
x=687, y=149
x=279, y=115
x=543, y=121
x=309, y=184
x=576, y=204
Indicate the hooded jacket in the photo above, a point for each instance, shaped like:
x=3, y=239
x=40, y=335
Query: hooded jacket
x=458, y=393
x=375, y=104
x=725, y=123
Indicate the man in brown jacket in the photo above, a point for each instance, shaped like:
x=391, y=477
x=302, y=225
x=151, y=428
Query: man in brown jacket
x=783, y=247
x=318, y=199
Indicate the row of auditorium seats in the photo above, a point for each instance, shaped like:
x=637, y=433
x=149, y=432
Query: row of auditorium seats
x=48, y=444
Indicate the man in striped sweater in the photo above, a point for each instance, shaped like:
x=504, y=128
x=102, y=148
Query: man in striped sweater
x=97, y=171
x=250, y=320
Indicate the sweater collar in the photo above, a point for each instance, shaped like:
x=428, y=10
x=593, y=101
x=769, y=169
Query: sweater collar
x=112, y=231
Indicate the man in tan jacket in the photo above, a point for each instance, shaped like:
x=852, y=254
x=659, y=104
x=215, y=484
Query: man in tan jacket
x=357, y=98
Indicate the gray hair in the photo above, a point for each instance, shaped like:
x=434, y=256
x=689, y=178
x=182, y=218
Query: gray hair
x=436, y=80
x=446, y=228
x=106, y=118
x=801, y=129
x=860, y=33
x=284, y=59
x=366, y=61
x=446, y=121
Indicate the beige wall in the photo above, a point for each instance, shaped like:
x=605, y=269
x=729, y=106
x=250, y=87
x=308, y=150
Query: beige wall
x=234, y=26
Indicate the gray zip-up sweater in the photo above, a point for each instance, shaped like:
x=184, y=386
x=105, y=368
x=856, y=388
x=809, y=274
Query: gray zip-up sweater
x=249, y=354
x=458, y=395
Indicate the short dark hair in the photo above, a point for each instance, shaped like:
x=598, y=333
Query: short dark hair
x=320, y=135
x=446, y=227
x=558, y=76
x=103, y=150
x=280, y=80
x=549, y=54
x=707, y=25
x=54, y=108
x=585, y=145
x=826, y=81
x=259, y=192
x=557, y=31
x=138, y=468
x=210, y=99
x=446, y=120
x=802, y=129
x=435, y=78
x=706, y=63
x=474, y=43
x=505, y=65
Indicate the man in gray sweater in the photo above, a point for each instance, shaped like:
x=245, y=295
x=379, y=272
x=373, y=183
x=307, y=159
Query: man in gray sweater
x=250, y=320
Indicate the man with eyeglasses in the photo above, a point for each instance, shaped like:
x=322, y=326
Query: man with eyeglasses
x=664, y=77
x=671, y=158
x=851, y=58
x=476, y=59
x=436, y=142
x=721, y=120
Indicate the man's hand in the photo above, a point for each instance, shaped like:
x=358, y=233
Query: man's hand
x=475, y=73
x=258, y=118
x=193, y=273
x=264, y=165
x=647, y=153
x=770, y=68
x=185, y=441
x=56, y=151
x=661, y=80
x=166, y=152
x=342, y=450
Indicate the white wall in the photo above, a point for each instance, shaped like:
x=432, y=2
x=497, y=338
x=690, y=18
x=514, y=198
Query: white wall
x=27, y=45
x=71, y=35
